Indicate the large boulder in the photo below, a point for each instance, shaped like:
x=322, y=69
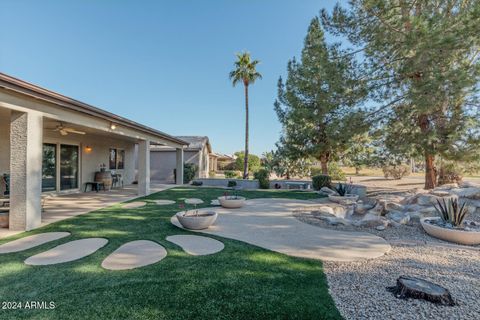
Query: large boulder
x=447, y=186
x=469, y=184
x=470, y=192
x=371, y=221
x=399, y=217
x=328, y=191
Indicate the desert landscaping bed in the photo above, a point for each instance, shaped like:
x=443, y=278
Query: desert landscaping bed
x=359, y=288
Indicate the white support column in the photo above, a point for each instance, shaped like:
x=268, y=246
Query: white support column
x=179, y=166
x=144, y=168
x=26, y=138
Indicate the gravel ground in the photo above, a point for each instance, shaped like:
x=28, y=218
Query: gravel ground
x=359, y=288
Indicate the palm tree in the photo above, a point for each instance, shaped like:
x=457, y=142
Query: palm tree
x=245, y=72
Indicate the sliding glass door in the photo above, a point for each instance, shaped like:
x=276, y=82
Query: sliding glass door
x=49, y=167
x=68, y=167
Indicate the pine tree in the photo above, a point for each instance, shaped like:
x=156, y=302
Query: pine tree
x=315, y=104
x=422, y=67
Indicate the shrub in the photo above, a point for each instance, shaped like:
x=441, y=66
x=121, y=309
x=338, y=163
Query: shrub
x=262, y=176
x=450, y=211
x=320, y=181
x=396, y=172
x=450, y=173
x=197, y=183
x=189, y=172
x=335, y=172
x=230, y=174
x=232, y=184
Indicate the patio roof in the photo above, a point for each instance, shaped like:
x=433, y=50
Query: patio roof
x=19, y=86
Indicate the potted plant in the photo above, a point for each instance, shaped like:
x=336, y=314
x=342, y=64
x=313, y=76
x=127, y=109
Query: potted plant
x=194, y=220
x=344, y=194
x=451, y=224
x=232, y=201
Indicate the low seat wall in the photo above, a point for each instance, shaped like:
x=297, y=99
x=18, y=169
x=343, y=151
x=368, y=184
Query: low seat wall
x=245, y=184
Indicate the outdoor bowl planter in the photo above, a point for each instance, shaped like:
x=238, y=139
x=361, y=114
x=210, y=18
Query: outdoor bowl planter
x=232, y=201
x=470, y=237
x=347, y=198
x=196, y=221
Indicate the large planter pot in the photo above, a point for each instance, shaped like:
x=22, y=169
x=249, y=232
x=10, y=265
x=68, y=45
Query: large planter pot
x=4, y=217
x=104, y=177
x=197, y=222
x=231, y=202
x=346, y=199
x=452, y=235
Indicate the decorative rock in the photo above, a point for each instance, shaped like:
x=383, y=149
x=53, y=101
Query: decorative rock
x=328, y=191
x=134, y=254
x=440, y=193
x=197, y=245
x=416, y=216
x=416, y=288
x=370, y=220
x=427, y=199
x=428, y=209
x=133, y=205
x=326, y=210
x=469, y=184
x=67, y=252
x=31, y=241
x=393, y=206
x=215, y=202
x=470, y=192
x=399, y=217
x=164, y=202
x=362, y=207
x=447, y=186
x=193, y=201
x=380, y=228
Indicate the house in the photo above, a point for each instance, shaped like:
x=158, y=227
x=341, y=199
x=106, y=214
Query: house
x=53, y=143
x=198, y=152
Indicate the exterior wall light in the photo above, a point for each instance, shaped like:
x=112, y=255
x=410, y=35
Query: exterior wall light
x=113, y=126
x=88, y=149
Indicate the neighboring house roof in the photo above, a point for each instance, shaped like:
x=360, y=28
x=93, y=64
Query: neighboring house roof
x=13, y=84
x=195, y=143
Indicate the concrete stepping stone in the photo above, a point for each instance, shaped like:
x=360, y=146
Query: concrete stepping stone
x=31, y=241
x=197, y=245
x=164, y=202
x=67, y=252
x=134, y=254
x=133, y=205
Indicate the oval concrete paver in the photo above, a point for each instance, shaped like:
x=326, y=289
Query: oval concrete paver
x=268, y=223
x=197, y=245
x=31, y=241
x=133, y=205
x=134, y=254
x=164, y=202
x=67, y=252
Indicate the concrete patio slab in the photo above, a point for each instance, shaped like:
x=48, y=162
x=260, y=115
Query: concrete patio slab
x=31, y=241
x=133, y=205
x=268, y=223
x=134, y=254
x=164, y=202
x=67, y=252
x=60, y=207
x=197, y=245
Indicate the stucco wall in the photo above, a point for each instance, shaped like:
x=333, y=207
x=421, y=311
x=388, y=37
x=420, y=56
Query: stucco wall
x=4, y=141
x=90, y=162
x=162, y=164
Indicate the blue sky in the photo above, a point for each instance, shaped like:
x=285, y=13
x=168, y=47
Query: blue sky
x=161, y=63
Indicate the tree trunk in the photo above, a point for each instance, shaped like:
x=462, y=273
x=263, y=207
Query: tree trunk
x=245, y=161
x=324, y=164
x=430, y=171
x=357, y=171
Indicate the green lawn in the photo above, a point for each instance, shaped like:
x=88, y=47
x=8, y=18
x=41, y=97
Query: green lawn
x=241, y=282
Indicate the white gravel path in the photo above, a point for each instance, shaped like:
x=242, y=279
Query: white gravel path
x=358, y=288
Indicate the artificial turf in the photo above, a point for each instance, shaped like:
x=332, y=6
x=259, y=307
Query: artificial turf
x=240, y=282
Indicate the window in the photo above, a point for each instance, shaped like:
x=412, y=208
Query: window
x=112, y=159
x=120, y=159
x=49, y=167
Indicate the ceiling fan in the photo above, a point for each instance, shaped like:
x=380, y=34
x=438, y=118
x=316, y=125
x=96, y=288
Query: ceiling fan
x=66, y=130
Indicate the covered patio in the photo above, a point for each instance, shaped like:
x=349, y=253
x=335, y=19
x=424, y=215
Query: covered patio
x=55, y=147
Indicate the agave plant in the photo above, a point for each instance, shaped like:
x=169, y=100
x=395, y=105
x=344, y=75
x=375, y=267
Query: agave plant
x=451, y=211
x=343, y=189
